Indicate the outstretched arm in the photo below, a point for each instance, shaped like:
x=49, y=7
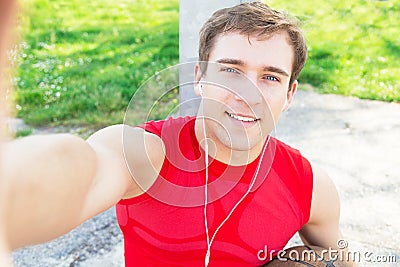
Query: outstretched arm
x=7, y=16
x=56, y=182
x=47, y=180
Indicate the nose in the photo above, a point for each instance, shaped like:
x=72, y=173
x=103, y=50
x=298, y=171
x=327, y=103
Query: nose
x=247, y=91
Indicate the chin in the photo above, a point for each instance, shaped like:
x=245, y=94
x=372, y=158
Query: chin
x=241, y=143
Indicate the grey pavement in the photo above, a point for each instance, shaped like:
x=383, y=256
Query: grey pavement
x=355, y=141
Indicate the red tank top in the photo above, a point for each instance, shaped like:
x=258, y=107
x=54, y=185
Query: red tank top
x=165, y=225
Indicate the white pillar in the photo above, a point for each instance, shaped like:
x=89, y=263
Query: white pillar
x=192, y=15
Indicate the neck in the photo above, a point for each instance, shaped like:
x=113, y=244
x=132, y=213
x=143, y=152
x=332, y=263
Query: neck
x=221, y=152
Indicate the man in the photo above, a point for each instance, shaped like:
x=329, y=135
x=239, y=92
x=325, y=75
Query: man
x=211, y=190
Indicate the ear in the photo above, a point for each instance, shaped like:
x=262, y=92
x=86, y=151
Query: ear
x=290, y=94
x=197, y=77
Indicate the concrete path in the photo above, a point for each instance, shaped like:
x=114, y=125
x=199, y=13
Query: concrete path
x=356, y=141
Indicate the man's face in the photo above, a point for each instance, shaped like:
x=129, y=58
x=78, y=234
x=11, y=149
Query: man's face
x=244, y=94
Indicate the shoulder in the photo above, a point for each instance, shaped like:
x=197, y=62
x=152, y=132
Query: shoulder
x=295, y=172
x=291, y=159
x=286, y=149
x=324, y=194
x=134, y=143
x=119, y=137
x=138, y=152
x=143, y=142
x=159, y=127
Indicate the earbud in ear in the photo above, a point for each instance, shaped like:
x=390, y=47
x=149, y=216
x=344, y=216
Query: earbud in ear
x=201, y=90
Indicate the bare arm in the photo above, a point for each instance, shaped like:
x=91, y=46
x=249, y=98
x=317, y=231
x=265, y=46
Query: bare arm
x=7, y=16
x=57, y=182
x=322, y=228
x=47, y=178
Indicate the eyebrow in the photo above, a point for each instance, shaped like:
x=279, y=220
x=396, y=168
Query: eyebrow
x=239, y=62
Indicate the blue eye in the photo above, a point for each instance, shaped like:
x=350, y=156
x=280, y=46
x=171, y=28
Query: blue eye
x=231, y=70
x=272, y=78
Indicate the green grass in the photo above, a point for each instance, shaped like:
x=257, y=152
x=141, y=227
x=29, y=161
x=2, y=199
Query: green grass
x=23, y=132
x=354, y=46
x=81, y=61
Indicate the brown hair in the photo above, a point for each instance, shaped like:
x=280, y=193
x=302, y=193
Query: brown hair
x=253, y=19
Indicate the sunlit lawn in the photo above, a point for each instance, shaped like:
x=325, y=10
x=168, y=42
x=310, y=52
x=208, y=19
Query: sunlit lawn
x=81, y=61
x=354, y=46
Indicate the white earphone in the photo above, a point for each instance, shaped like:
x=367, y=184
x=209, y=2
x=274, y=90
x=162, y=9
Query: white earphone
x=210, y=238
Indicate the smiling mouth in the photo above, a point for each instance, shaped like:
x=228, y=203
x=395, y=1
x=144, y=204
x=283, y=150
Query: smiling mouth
x=242, y=118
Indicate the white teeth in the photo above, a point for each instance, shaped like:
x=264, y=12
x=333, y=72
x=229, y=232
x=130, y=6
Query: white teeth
x=240, y=118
